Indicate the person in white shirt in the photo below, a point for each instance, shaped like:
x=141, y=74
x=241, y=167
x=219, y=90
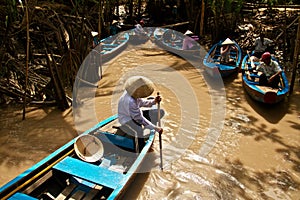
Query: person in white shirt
x=270, y=71
x=188, y=42
x=260, y=46
x=132, y=118
x=139, y=30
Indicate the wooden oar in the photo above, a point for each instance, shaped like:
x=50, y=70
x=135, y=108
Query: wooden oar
x=160, y=141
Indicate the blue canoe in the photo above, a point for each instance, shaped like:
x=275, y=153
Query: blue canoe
x=111, y=46
x=212, y=59
x=136, y=38
x=172, y=41
x=63, y=175
x=264, y=94
x=105, y=50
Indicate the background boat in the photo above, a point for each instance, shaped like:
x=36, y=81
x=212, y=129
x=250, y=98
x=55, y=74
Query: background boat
x=111, y=46
x=212, y=59
x=63, y=175
x=136, y=38
x=90, y=71
x=264, y=94
x=172, y=41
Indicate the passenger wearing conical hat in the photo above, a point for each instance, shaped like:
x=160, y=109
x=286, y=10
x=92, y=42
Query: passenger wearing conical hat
x=188, y=42
x=131, y=117
x=226, y=48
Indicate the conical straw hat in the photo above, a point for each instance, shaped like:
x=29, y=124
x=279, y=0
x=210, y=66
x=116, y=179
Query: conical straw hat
x=227, y=41
x=89, y=148
x=188, y=32
x=139, y=87
x=94, y=33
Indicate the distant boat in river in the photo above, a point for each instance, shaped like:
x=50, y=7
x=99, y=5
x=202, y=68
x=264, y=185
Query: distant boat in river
x=172, y=41
x=140, y=36
x=111, y=46
x=264, y=94
x=104, y=50
x=213, y=64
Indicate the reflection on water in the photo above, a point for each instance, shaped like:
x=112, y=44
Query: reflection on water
x=256, y=156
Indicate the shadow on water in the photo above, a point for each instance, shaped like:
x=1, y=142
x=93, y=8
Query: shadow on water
x=229, y=79
x=140, y=179
x=271, y=179
x=273, y=113
x=36, y=136
x=262, y=181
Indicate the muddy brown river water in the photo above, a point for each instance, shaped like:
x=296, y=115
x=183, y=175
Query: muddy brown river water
x=217, y=144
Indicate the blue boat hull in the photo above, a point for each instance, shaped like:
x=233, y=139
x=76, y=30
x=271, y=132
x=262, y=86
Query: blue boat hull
x=259, y=93
x=64, y=174
x=214, y=67
x=112, y=46
x=175, y=46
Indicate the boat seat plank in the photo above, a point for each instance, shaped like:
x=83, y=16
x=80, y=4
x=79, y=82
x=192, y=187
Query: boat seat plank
x=21, y=196
x=90, y=172
x=66, y=192
x=77, y=195
x=116, y=139
x=39, y=182
x=91, y=195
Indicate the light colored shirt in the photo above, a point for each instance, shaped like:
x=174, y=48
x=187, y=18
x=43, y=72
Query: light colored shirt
x=225, y=52
x=139, y=30
x=269, y=70
x=130, y=108
x=261, y=46
x=187, y=43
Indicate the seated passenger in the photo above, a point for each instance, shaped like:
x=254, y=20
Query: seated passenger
x=188, y=42
x=227, y=46
x=270, y=71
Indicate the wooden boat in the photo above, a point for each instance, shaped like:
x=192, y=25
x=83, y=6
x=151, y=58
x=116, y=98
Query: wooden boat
x=172, y=41
x=64, y=175
x=264, y=94
x=136, y=38
x=106, y=49
x=111, y=46
x=213, y=64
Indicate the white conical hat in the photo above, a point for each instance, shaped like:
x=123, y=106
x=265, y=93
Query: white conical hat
x=94, y=33
x=88, y=148
x=139, y=87
x=227, y=41
x=188, y=32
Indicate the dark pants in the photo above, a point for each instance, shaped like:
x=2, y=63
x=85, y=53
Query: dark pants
x=263, y=80
x=135, y=130
x=258, y=54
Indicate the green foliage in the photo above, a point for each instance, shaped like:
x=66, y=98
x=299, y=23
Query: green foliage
x=225, y=6
x=12, y=11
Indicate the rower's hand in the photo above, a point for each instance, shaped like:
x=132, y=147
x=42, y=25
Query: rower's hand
x=158, y=99
x=159, y=130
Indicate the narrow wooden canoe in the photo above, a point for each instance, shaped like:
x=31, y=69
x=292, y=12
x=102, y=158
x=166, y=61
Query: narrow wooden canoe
x=112, y=46
x=264, y=94
x=90, y=71
x=63, y=175
x=213, y=65
x=173, y=43
x=136, y=38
